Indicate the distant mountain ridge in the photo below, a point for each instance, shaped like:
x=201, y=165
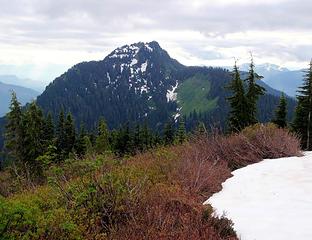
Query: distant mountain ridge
x=24, y=95
x=141, y=83
x=279, y=78
x=130, y=84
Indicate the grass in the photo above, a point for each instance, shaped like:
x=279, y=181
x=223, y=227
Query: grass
x=193, y=94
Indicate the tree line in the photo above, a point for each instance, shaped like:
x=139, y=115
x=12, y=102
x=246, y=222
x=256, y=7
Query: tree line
x=243, y=103
x=34, y=140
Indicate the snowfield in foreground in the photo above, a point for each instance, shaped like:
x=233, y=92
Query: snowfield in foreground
x=269, y=200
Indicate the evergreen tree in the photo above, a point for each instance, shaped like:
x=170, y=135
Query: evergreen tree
x=127, y=140
x=168, y=134
x=88, y=144
x=14, y=130
x=34, y=138
x=60, y=134
x=49, y=129
x=201, y=128
x=181, y=133
x=102, y=140
x=70, y=134
x=137, y=138
x=281, y=113
x=124, y=143
x=238, y=118
x=302, y=123
x=146, y=137
x=80, y=144
x=254, y=91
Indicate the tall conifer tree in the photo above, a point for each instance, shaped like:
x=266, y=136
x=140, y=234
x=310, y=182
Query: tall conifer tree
x=254, y=91
x=302, y=123
x=80, y=143
x=168, y=134
x=60, y=134
x=102, y=140
x=181, y=133
x=281, y=113
x=238, y=118
x=34, y=138
x=70, y=134
x=14, y=130
x=49, y=129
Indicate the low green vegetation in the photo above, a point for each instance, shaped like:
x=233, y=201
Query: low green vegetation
x=193, y=95
x=154, y=195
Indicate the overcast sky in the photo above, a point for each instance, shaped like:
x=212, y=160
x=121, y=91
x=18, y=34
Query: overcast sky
x=42, y=38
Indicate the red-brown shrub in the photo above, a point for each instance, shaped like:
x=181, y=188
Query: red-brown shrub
x=273, y=142
x=200, y=169
x=173, y=214
x=207, y=161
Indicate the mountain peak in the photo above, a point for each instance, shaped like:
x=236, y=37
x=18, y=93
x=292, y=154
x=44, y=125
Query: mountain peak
x=132, y=50
x=265, y=67
x=272, y=67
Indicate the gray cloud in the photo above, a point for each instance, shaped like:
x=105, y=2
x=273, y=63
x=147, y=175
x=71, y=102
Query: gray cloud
x=100, y=25
x=95, y=16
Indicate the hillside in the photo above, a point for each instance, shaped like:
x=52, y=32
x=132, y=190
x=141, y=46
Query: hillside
x=141, y=82
x=24, y=94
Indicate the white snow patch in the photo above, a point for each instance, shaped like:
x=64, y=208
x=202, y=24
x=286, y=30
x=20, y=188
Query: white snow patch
x=108, y=76
x=117, y=55
x=133, y=62
x=171, y=94
x=143, y=67
x=176, y=116
x=148, y=47
x=134, y=48
x=269, y=200
x=143, y=89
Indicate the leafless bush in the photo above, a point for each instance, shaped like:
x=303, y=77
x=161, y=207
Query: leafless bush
x=173, y=215
x=207, y=161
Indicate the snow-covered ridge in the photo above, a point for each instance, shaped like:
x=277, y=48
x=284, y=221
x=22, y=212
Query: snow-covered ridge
x=130, y=51
x=269, y=200
x=127, y=58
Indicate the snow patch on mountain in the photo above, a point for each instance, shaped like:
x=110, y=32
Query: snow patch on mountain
x=171, y=94
x=108, y=77
x=148, y=47
x=144, y=66
x=134, y=61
